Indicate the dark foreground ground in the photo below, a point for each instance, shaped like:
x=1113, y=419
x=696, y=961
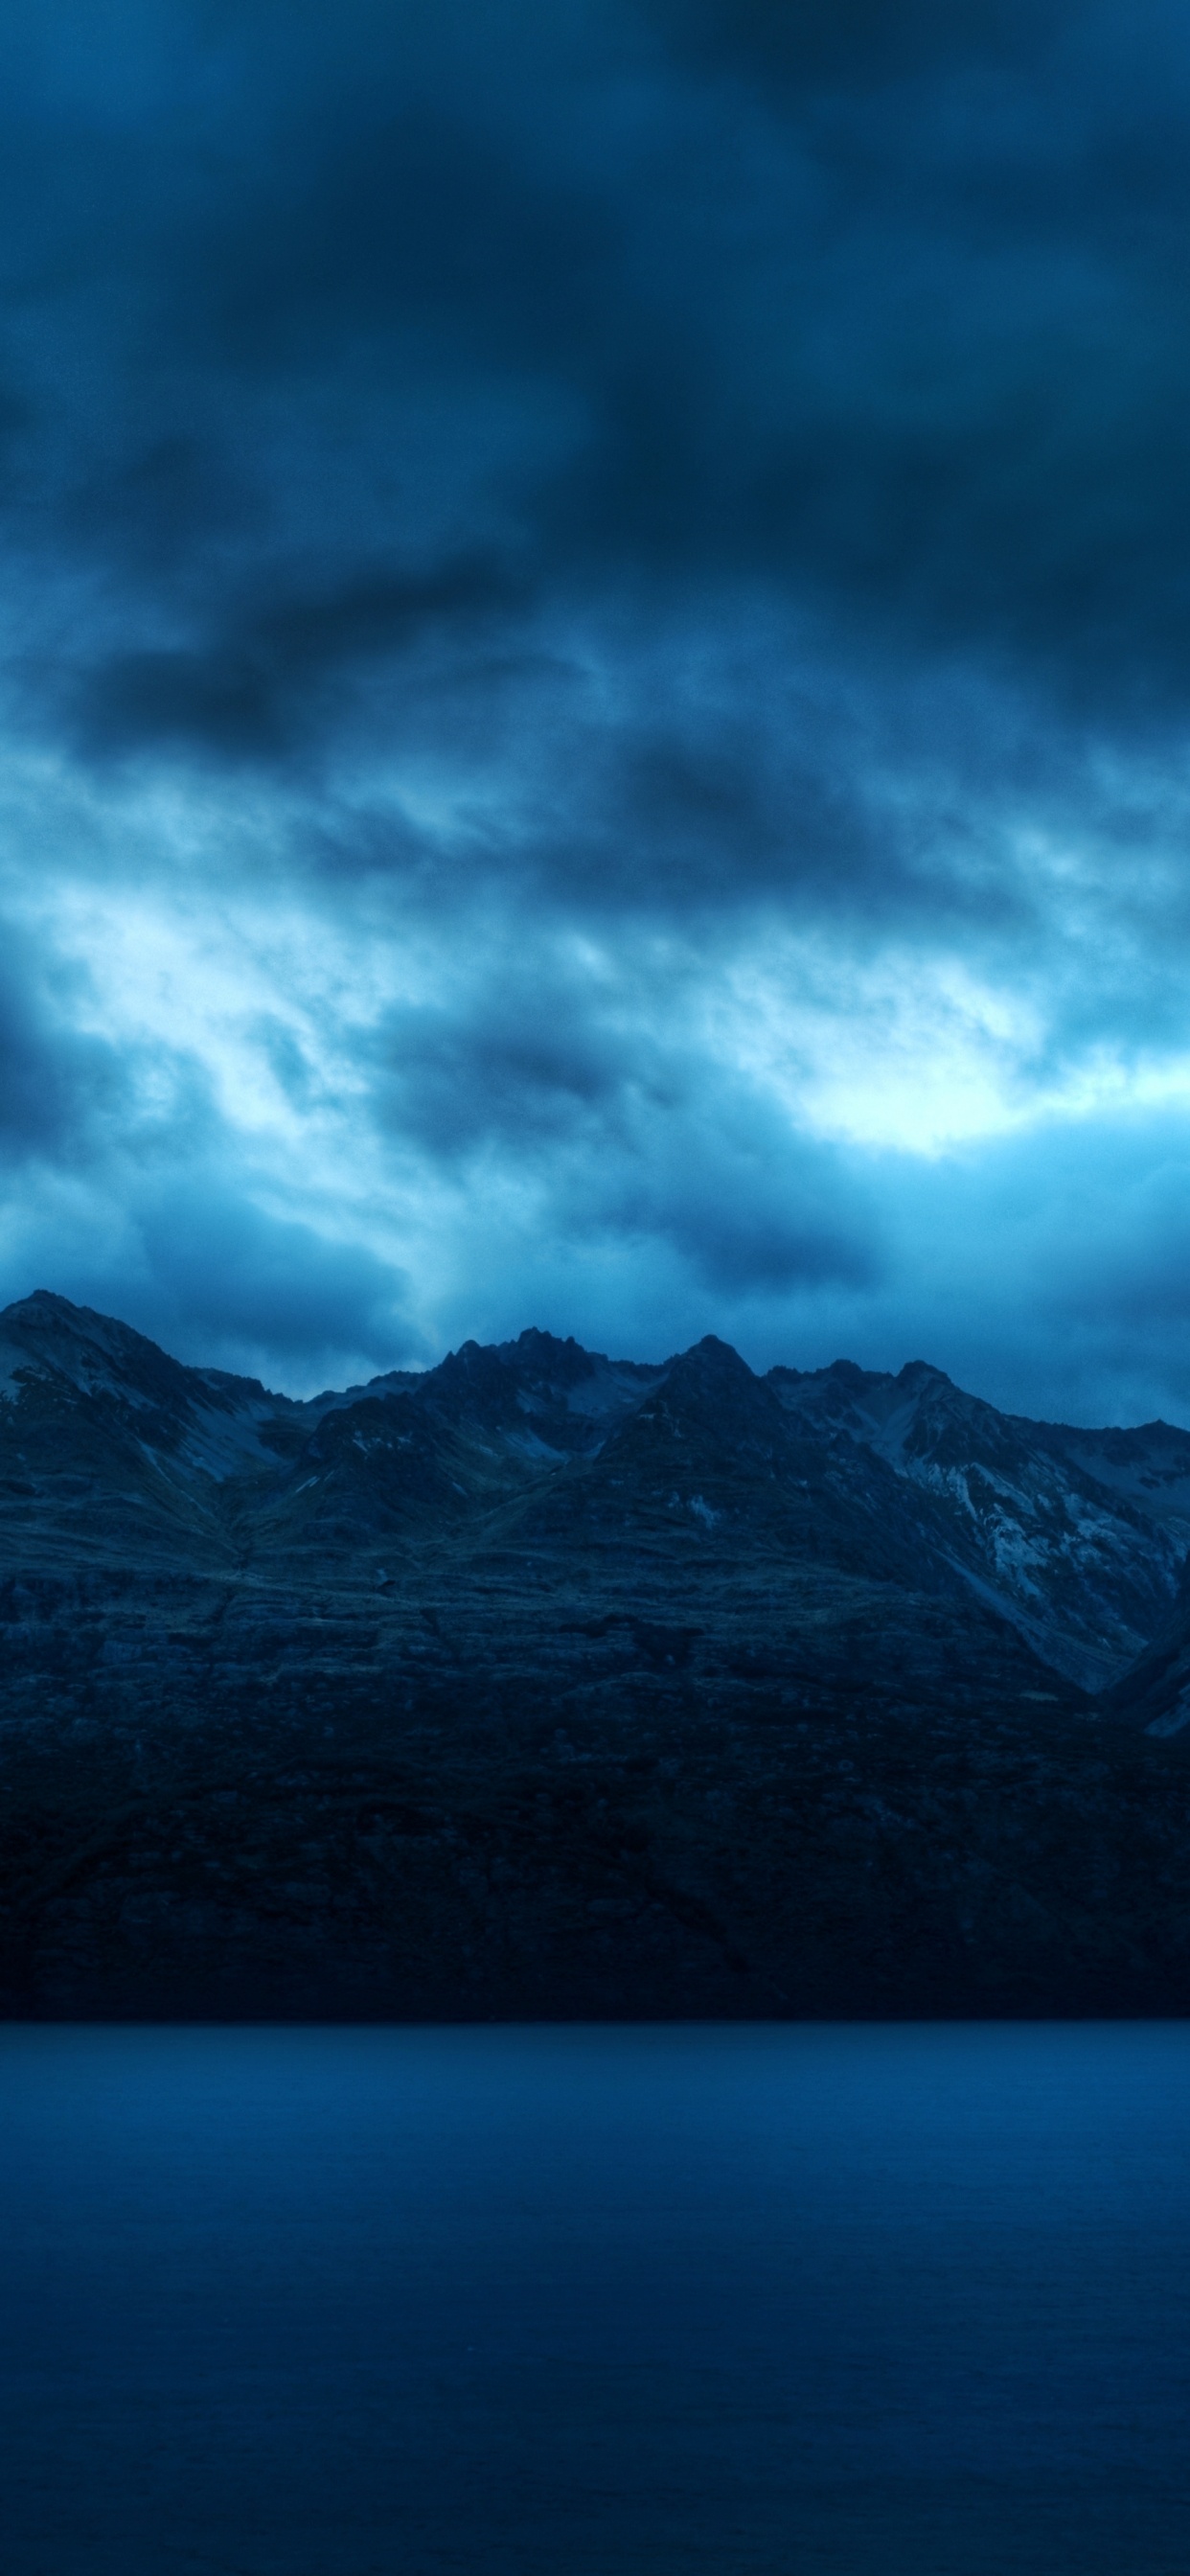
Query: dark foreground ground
x=511, y=1799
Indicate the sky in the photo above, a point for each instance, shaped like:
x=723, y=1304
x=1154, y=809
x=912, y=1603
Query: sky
x=594, y=670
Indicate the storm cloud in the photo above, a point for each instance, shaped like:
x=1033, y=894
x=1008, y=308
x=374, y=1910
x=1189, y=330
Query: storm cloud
x=595, y=635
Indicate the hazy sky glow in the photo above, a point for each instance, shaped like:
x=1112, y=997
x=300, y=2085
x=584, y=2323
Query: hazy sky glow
x=596, y=654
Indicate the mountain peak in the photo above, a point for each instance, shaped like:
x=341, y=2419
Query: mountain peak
x=547, y=1354
x=710, y=1369
x=719, y=1354
x=918, y=1373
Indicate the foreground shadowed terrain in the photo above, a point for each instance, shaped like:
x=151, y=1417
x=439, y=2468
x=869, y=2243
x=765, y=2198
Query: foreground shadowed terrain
x=543, y=1684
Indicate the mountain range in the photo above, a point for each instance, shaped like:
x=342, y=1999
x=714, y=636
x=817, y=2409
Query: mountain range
x=546, y=1683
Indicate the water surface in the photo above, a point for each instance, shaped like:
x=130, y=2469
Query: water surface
x=828, y=2302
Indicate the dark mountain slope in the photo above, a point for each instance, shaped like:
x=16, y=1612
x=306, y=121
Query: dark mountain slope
x=709, y=1467
x=1155, y=1693
x=1078, y=1537
x=109, y=1447
x=442, y=1453
x=542, y=1682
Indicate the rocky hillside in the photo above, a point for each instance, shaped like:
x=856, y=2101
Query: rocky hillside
x=1076, y=1536
x=543, y=1682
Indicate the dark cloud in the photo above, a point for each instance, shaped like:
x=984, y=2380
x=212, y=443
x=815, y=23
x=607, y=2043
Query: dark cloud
x=257, y=688
x=918, y=359
x=514, y=521
x=520, y=1069
x=433, y=222
x=149, y=506
x=194, y=1263
x=55, y=1084
x=753, y=1214
x=855, y=44
x=627, y=1135
x=245, y=1280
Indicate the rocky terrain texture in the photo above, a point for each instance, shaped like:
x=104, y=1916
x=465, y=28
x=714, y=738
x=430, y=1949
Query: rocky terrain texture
x=544, y=1684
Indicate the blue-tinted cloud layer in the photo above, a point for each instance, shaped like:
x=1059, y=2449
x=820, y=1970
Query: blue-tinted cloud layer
x=595, y=633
